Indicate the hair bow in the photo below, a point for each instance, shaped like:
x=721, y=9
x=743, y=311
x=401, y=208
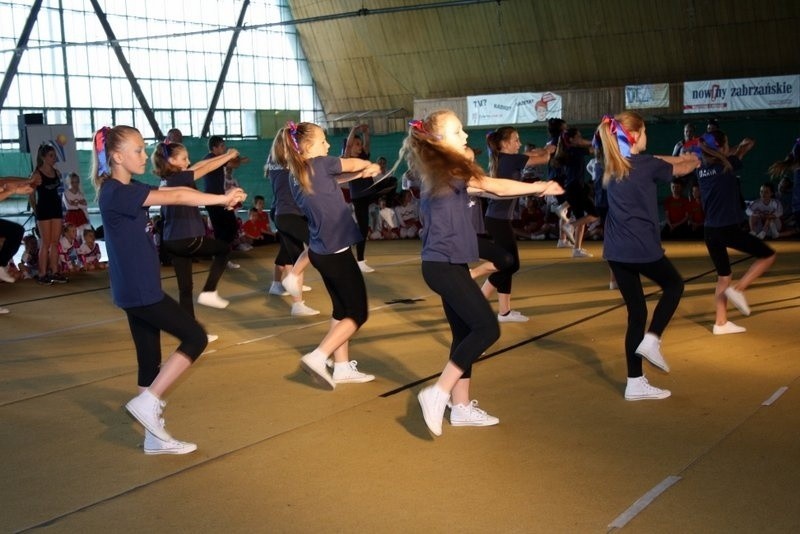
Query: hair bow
x=417, y=124
x=292, y=127
x=710, y=141
x=624, y=139
x=100, y=149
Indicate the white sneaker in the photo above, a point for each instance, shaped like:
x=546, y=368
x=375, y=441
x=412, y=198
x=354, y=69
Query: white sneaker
x=537, y=237
x=349, y=374
x=433, y=401
x=640, y=389
x=315, y=367
x=299, y=309
x=569, y=232
x=306, y=288
x=738, y=299
x=5, y=277
x=4, y=310
x=212, y=300
x=244, y=247
x=147, y=409
x=761, y=235
x=650, y=349
x=562, y=244
x=154, y=445
x=291, y=283
x=471, y=415
x=728, y=328
x=212, y=337
x=276, y=288
x=233, y=265
x=581, y=253
x=364, y=267
x=512, y=316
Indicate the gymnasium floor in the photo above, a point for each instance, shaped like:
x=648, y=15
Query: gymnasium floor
x=279, y=454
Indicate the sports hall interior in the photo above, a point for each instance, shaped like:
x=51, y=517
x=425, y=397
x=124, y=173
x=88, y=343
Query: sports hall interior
x=278, y=453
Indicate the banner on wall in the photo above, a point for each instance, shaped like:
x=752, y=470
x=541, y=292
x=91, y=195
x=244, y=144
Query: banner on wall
x=61, y=138
x=647, y=96
x=513, y=108
x=775, y=92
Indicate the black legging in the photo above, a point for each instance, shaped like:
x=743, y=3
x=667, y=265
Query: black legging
x=490, y=251
x=182, y=251
x=147, y=322
x=663, y=273
x=13, y=233
x=361, y=210
x=472, y=321
x=503, y=235
x=345, y=284
x=293, y=234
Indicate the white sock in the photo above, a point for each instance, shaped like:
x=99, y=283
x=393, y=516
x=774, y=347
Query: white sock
x=343, y=366
x=318, y=355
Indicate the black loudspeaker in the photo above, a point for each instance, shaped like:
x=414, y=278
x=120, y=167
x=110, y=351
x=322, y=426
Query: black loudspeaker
x=23, y=121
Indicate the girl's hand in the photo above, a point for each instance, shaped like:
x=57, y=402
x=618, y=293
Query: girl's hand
x=691, y=156
x=234, y=198
x=373, y=169
x=553, y=188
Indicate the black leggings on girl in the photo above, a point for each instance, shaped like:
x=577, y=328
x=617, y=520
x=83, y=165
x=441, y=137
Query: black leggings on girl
x=147, y=322
x=361, y=211
x=345, y=284
x=663, y=273
x=503, y=235
x=182, y=251
x=472, y=321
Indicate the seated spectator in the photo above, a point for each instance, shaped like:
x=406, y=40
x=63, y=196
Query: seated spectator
x=676, y=212
x=407, y=213
x=255, y=231
x=386, y=223
x=89, y=252
x=68, y=250
x=696, y=216
x=29, y=262
x=411, y=182
x=765, y=214
x=532, y=222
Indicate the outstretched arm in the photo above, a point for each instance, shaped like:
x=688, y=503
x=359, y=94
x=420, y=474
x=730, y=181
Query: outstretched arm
x=203, y=167
x=188, y=196
x=502, y=187
x=540, y=156
x=15, y=187
x=683, y=164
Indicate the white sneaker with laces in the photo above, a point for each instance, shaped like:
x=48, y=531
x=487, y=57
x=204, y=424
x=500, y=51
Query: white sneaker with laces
x=147, y=409
x=276, y=288
x=233, y=265
x=471, y=415
x=562, y=244
x=650, y=349
x=364, y=267
x=212, y=337
x=349, y=374
x=5, y=277
x=433, y=401
x=640, y=389
x=728, y=328
x=212, y=300
x=738, y=299
x=153, y=445
x=291, y=283
x=581, y=253
x=512, y=316
x=315, y=367
x=299, y=309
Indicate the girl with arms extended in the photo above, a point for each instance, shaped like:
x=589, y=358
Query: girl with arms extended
x=632, y=240
x=436, y=150
x=303, y=149
x=119, y=154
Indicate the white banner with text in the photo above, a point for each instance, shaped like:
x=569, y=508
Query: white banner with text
x=513, y=108
x=710, y=96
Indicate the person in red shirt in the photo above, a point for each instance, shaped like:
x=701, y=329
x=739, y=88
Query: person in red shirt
x=676, y=210
x=256, y=229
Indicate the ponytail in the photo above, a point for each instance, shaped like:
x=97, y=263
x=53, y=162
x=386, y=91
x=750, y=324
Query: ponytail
x=287, y=152
x=160, y=158
x=106, y=141
x=614, y=136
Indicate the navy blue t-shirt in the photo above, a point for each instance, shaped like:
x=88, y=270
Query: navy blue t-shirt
x=330, y=222
x=632, y=231
x=719, y=191
x=508, y=166
x=215, y=180
x=447, y=232
x=132, y=257
x=282, y=200
x=181, y=222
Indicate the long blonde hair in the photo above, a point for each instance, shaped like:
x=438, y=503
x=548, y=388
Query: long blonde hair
x=612, y=132
x=287, y=151
x=428, y=157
